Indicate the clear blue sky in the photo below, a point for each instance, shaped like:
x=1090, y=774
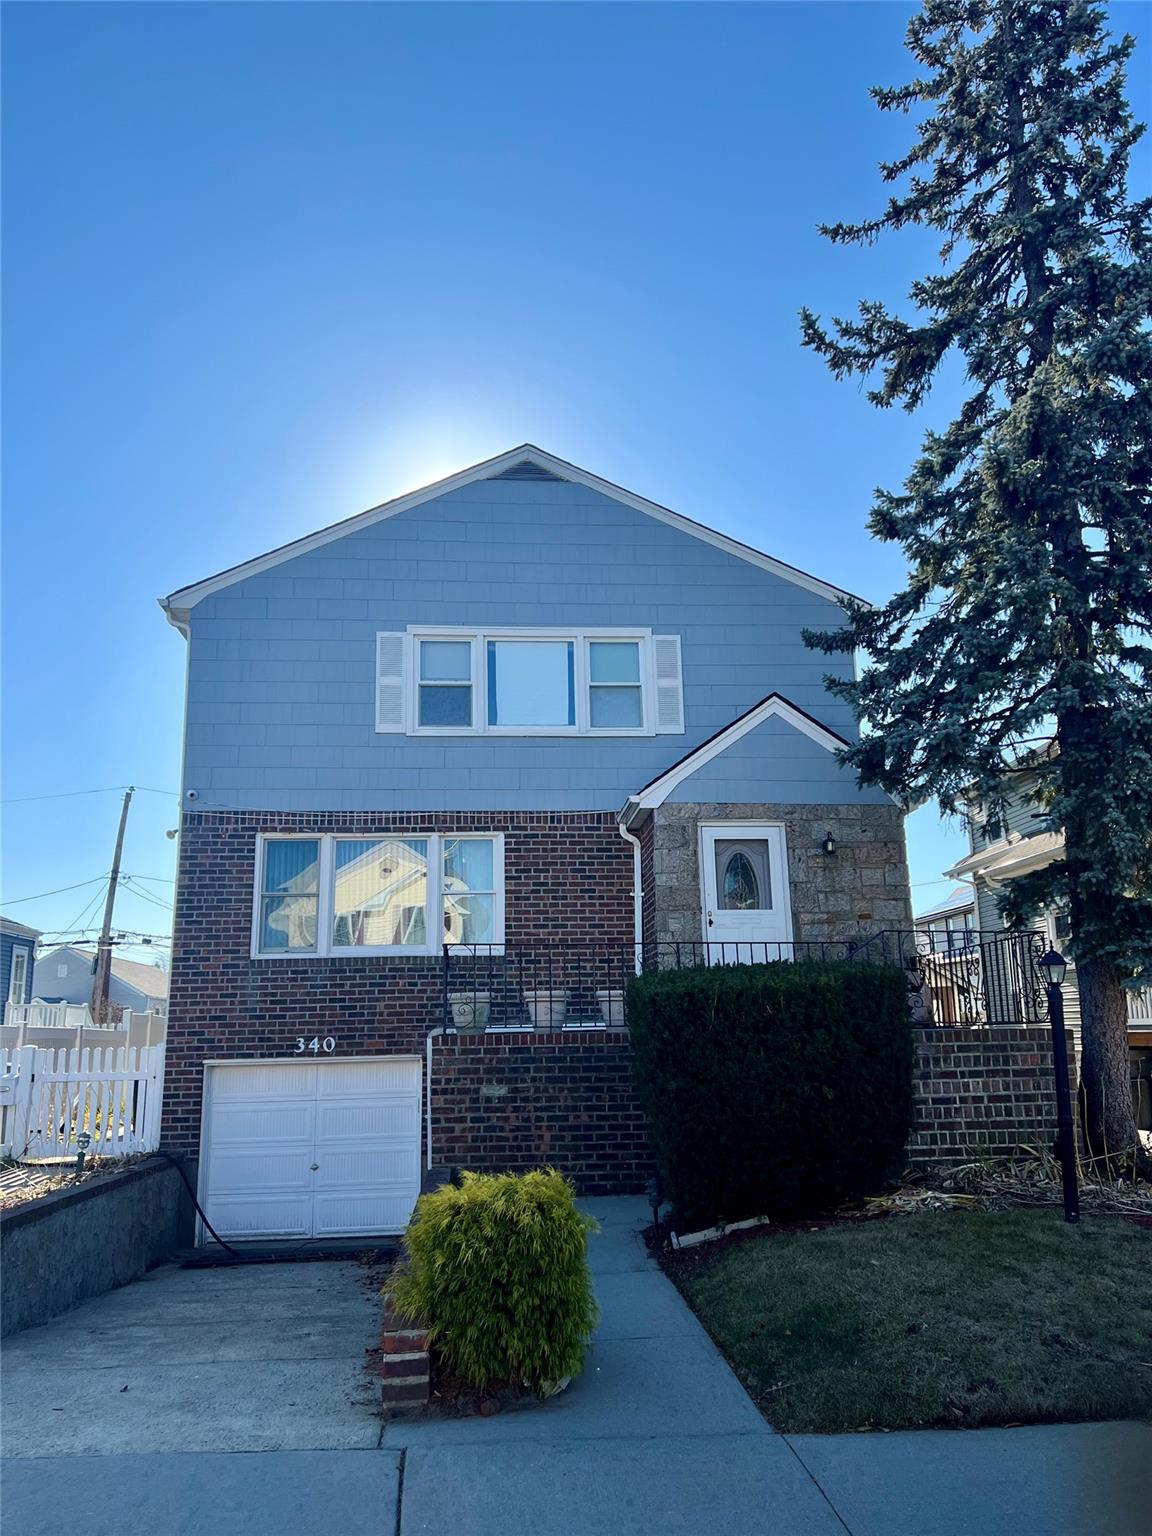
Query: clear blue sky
x=267, y=265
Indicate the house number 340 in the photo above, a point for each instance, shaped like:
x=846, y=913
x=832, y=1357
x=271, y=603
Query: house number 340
x=315, y=1045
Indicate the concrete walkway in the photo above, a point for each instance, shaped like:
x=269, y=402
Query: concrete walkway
x=247, y=1410
x=658, y=1438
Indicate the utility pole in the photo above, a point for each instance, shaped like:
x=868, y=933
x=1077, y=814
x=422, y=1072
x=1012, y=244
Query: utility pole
x=104, y=944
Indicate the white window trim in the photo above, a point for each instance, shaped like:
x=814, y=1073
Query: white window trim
x=19, y=952
x=581, y=639
x=325, y=949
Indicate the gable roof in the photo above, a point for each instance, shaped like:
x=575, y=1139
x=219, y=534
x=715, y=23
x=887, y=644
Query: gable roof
x=524, y=463
x=16, y=930
x=961, y=898
x=149, y=980
x=657, y=790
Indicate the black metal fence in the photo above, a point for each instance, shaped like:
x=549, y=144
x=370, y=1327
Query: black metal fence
x=966, y=977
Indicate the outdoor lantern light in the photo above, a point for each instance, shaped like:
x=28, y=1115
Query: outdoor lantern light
x=1053, y=966
x=829, y=844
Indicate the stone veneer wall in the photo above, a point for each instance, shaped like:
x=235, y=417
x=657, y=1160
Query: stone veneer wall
x=860, y=890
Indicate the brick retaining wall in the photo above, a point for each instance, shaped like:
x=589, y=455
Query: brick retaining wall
x=982, y=1092
x=508, y=1102
x=515, y=1101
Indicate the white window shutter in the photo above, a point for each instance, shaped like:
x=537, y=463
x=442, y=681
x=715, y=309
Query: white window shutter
x=391, y=683
x=669, y=685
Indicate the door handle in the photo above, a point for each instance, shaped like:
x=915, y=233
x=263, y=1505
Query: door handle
x=314, y=1168
x=710, y=920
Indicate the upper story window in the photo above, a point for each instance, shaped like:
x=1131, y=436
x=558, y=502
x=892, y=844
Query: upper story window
x=389, y=895
x=529, y=682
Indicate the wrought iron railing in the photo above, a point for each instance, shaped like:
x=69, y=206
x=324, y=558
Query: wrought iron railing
x=970, y=977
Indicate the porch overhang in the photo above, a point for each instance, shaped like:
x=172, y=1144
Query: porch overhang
x=1018, y=856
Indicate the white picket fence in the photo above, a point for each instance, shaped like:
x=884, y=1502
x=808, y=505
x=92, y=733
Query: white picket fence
x=50, y=1098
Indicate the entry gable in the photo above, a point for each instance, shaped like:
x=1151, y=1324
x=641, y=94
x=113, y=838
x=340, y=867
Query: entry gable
x=775, y=752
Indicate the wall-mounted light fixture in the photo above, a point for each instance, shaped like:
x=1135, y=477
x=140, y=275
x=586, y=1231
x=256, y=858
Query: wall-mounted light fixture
x=829, y=844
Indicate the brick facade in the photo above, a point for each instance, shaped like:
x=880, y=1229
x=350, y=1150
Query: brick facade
x=507, y=1103
x=982, y=1093
x=568, y=879
x=502, y=1101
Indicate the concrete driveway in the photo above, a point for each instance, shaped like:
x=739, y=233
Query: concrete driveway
x=196, y=1401
x=261, y=1358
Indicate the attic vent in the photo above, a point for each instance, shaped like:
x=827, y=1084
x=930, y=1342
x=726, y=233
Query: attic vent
x=525, y=470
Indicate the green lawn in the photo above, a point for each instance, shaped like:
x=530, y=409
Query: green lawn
x=952, y=1318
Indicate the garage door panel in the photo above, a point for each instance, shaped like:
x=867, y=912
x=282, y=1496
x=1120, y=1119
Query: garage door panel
x=373, y=1075
x=364, y=1119
x=243, y=1123
x=355, y=1215
x=313, y=1148
x=397, y=1166
x=265, y=1080
x=253, y=1171
x=264, y=1215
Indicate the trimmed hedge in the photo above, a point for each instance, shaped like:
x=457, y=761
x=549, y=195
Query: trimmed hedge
x=498, y=1269
x=772, y=1090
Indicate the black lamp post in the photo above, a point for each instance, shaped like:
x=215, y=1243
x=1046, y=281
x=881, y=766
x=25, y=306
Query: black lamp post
x=1053, y=967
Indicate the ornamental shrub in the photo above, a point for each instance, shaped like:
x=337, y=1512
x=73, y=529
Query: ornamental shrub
x=772, y=1090
x=497, y=1268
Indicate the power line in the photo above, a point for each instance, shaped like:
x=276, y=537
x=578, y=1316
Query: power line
x=108, y=789
x=16, y=900
x=134, y=890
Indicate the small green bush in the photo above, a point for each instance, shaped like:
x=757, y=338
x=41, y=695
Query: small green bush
x=772, y=1090
x=498, y=1269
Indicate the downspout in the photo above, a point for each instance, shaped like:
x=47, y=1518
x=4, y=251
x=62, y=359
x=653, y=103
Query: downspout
x=637, y=887
x=432, y=1034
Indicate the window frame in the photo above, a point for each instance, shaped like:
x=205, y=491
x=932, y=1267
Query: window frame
x=581, y=639
x=418, y=683
x=19, y=952
x=325, y=948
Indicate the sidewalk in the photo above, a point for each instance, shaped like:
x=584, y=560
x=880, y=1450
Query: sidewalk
x=658, y=1438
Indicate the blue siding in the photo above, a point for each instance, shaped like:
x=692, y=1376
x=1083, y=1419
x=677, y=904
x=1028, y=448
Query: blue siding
x=776, y=763
x=281, y=686
x=9, y=942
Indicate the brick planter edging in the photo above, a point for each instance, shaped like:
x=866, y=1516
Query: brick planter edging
x=401, y=1363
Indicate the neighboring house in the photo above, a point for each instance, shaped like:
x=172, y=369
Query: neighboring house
x=502, y=733
x=955, y=914
x=64, y=975
x=17, y=958
x=1018, y=848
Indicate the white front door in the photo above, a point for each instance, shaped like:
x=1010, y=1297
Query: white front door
x=744, y=874
x=311, y=1148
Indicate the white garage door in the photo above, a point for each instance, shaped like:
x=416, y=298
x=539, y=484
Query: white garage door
x=312, y=1148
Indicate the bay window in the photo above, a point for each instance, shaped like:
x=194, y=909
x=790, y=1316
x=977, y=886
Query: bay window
x=385, y=895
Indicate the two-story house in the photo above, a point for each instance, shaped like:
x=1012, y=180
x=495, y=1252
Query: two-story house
x=516, y=732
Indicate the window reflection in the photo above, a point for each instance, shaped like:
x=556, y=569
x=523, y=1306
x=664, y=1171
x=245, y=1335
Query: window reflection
x=381, y=892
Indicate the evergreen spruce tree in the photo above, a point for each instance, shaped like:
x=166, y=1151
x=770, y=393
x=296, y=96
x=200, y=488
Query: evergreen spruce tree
x=1027, y=522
